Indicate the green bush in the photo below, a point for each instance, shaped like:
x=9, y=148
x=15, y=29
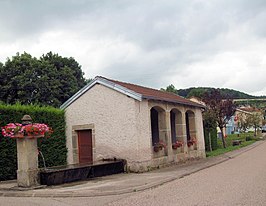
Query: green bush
x=213, y=139
x=53, y=148
x=229, y=139
x=248, y=138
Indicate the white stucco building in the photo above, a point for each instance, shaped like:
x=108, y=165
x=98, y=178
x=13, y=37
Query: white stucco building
x=108, y=119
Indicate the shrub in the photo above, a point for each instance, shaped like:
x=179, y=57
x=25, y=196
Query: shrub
x=213, y=139
x=53, y=148
x=248, y=138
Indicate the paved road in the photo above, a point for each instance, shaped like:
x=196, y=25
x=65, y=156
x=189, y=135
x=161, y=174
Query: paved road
x=239, y=181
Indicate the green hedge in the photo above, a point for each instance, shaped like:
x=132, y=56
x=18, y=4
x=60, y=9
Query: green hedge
x=53, y=148
x=213, y=139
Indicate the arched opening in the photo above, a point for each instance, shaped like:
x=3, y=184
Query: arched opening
x=158, y=124
x=176, y=125
x=190, y=125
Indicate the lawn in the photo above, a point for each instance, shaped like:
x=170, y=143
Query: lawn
x=229, y=140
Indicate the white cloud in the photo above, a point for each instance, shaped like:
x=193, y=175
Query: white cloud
x=187, y=43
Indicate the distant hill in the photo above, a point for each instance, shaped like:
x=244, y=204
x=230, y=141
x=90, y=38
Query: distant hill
x=199, y=91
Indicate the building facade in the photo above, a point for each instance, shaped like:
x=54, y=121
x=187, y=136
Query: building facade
x=147, y=127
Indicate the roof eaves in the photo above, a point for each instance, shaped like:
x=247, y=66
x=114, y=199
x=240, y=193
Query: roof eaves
x=120, y=89
x=107, y=83
x=173, y=101
x=78, y=94
x=243, y=111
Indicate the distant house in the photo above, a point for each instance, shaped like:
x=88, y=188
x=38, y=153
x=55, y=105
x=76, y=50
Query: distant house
x=241, y=112
x=109, y=118
x=197, y=100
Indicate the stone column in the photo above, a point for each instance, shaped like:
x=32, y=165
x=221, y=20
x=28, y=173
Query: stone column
x=184, y=131
x=168, y=133
x=27, y=153
x=200, y=133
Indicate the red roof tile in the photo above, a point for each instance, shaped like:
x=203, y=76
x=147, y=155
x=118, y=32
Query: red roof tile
x=250, y=109
x=154, y=94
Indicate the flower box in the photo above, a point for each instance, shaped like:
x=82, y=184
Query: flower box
x=192, y=142
x=177, y=144
x=159, y=146
x=16, y=130
x=18, y=136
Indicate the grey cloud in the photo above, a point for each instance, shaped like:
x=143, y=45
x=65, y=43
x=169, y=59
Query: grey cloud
x=169, y=35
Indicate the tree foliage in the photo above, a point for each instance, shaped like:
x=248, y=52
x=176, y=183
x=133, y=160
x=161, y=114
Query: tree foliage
x=221, y=107
x=243, y=122
x=210, y=131
x=199, y=92
x=49, y=80
x=170, y=88
x=255, y=121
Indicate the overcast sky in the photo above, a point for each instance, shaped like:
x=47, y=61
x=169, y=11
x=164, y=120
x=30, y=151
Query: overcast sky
x=217, y=43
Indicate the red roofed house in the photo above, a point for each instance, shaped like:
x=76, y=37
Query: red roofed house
x=108, y=119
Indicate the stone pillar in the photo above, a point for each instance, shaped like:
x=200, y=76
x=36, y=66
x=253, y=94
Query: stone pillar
x=184, y=131
x=27, y=153
x=200, y=133
x=168, y=133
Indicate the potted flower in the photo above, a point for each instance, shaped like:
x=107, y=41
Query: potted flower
x=177, y=144
x=17, y=130
x=159, y=146
x=191, y=142
x=13, y=130
x=37, y=130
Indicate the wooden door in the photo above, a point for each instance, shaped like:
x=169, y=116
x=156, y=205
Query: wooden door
x=85, y=146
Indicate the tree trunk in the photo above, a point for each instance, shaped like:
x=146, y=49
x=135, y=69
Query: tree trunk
x=210, y=141
x=224, y=144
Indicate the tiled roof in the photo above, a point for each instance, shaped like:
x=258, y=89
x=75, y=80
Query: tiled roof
x=153, y=94
x=250, y=109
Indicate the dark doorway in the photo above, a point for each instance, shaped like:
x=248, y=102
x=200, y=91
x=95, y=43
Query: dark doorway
x=154, y=126
x=173, y=126
x=85, y=146
x=187, y=126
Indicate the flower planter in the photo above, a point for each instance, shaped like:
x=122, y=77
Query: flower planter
x=175, y=147
x=157, y=148
x=18, y=136
x=190, y=144
x=34, y=136
x=26, y=135
x=177, y=144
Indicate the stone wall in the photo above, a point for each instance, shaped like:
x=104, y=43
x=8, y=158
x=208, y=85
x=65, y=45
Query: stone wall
x=112, y=117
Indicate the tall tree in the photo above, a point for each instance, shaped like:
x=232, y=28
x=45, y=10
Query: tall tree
x=222, y=107
x=69, y=75
x=255, y=120
x=50, y=80
x=243, y=122
x=209, y=122
x=170, y=88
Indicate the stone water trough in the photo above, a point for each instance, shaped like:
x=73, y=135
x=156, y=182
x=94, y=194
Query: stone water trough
x=76, y=172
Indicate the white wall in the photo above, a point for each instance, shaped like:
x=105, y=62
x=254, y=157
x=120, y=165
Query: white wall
x=114, y=117
x=122, y=128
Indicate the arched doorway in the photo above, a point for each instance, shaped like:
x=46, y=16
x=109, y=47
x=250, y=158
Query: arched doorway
x=176, y=125
x=190, y=125
x=158, y=124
